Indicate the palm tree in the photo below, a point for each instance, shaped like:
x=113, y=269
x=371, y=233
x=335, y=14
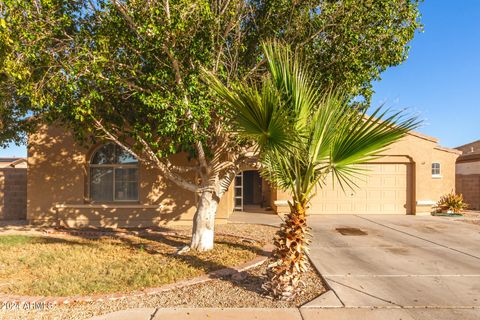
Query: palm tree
x=302, y=135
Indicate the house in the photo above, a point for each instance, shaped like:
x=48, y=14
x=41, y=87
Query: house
x=13, y=188
x=468, y=174
x=13, y=163
x=78, y=185
x=410, y=178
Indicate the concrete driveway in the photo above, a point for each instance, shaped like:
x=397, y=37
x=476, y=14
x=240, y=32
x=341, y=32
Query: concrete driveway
x=410, y=262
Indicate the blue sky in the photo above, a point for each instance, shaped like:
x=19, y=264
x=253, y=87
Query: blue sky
x=440, y=81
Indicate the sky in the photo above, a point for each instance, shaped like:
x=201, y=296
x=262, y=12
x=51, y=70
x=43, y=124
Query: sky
x=439, y=82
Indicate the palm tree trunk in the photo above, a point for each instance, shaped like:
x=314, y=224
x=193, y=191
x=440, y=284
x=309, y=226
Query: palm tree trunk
x=289, y=255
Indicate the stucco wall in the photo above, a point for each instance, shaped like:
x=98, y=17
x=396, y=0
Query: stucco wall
x=418, y=151
x=58, y=182
x=13, y=193
x=58, y=189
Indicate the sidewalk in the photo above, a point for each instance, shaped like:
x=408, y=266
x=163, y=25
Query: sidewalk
x=293, y=314
x=267, y=218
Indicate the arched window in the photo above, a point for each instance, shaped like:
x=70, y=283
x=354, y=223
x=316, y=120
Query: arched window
x=113, y=174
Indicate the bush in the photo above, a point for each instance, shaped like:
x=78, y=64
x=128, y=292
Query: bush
x=452, y=202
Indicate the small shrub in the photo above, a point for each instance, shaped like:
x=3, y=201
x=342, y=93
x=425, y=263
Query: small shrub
x=452, y=202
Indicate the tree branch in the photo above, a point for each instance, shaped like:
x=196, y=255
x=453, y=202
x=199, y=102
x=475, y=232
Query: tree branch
x=175, y=178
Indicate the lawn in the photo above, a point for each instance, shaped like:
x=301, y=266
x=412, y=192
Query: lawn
x=67, y=265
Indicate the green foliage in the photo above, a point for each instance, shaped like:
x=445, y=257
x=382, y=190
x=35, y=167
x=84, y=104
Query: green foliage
x=135, y=67
x=302, y=135
x=306, y=134
x=452, y=202
x=348, y=43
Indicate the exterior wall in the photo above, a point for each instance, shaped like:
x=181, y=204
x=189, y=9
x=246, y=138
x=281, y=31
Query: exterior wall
x=58, y=185
x=468, y=179
x=13, y=193
x=418, y=151
x=468, y=174
x=58, y=189
x=468, y=168
x=469, y=187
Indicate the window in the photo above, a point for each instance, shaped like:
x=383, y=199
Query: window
x=113, y=175
x=436, y=169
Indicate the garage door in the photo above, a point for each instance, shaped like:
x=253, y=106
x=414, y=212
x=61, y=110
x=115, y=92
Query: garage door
x=383, y=189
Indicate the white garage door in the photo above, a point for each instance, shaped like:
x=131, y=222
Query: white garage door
x=383, y=189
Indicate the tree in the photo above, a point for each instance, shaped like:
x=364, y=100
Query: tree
x=128, y=71
x=303, y=135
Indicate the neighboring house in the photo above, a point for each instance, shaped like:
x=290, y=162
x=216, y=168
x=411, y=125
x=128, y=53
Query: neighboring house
x=13, y=188
x=468, y=174
x=13, y=163
x=102, y=185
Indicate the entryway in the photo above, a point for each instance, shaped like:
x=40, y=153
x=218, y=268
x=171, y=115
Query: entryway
x=252, y=192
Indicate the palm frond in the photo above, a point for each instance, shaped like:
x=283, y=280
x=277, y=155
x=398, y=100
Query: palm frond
x=304, y=134
x=362, y=138
x=257, y=114
x=293, y=81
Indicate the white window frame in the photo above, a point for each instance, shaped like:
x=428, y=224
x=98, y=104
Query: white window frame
x=114, y=167
x=240, y=188
x=439, y=174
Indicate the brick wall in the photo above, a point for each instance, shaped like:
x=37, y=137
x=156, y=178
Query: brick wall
x=469, y=186
x=13, y=193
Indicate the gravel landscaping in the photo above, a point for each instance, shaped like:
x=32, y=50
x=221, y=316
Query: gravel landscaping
x=240, y=290
x=471, y=216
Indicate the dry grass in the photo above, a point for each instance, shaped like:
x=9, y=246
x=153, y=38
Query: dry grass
x=226, y=292
x=67, y=265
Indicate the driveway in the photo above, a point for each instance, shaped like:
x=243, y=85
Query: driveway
x=412, y=262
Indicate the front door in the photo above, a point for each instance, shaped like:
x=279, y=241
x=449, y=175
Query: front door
x=252, y=188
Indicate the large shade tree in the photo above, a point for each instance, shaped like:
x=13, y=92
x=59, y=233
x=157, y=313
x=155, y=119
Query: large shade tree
x=128, y=71
x=302, y=136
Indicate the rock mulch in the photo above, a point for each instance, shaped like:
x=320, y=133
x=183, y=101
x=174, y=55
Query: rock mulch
x=471, y=216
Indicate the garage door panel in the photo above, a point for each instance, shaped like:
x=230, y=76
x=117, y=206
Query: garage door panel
x=381, y=189
x=374, y=194
x=373, y=207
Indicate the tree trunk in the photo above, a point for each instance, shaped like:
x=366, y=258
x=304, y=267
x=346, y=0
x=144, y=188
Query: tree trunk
x=204, y=222
x=289, y=256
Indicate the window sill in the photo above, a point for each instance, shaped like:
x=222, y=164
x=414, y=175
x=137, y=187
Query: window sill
x=426, y=203
x=437, y=176
x=108, y=206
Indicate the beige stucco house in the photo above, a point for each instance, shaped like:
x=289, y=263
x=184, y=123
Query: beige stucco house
x=468, y=174
x=76, y=185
